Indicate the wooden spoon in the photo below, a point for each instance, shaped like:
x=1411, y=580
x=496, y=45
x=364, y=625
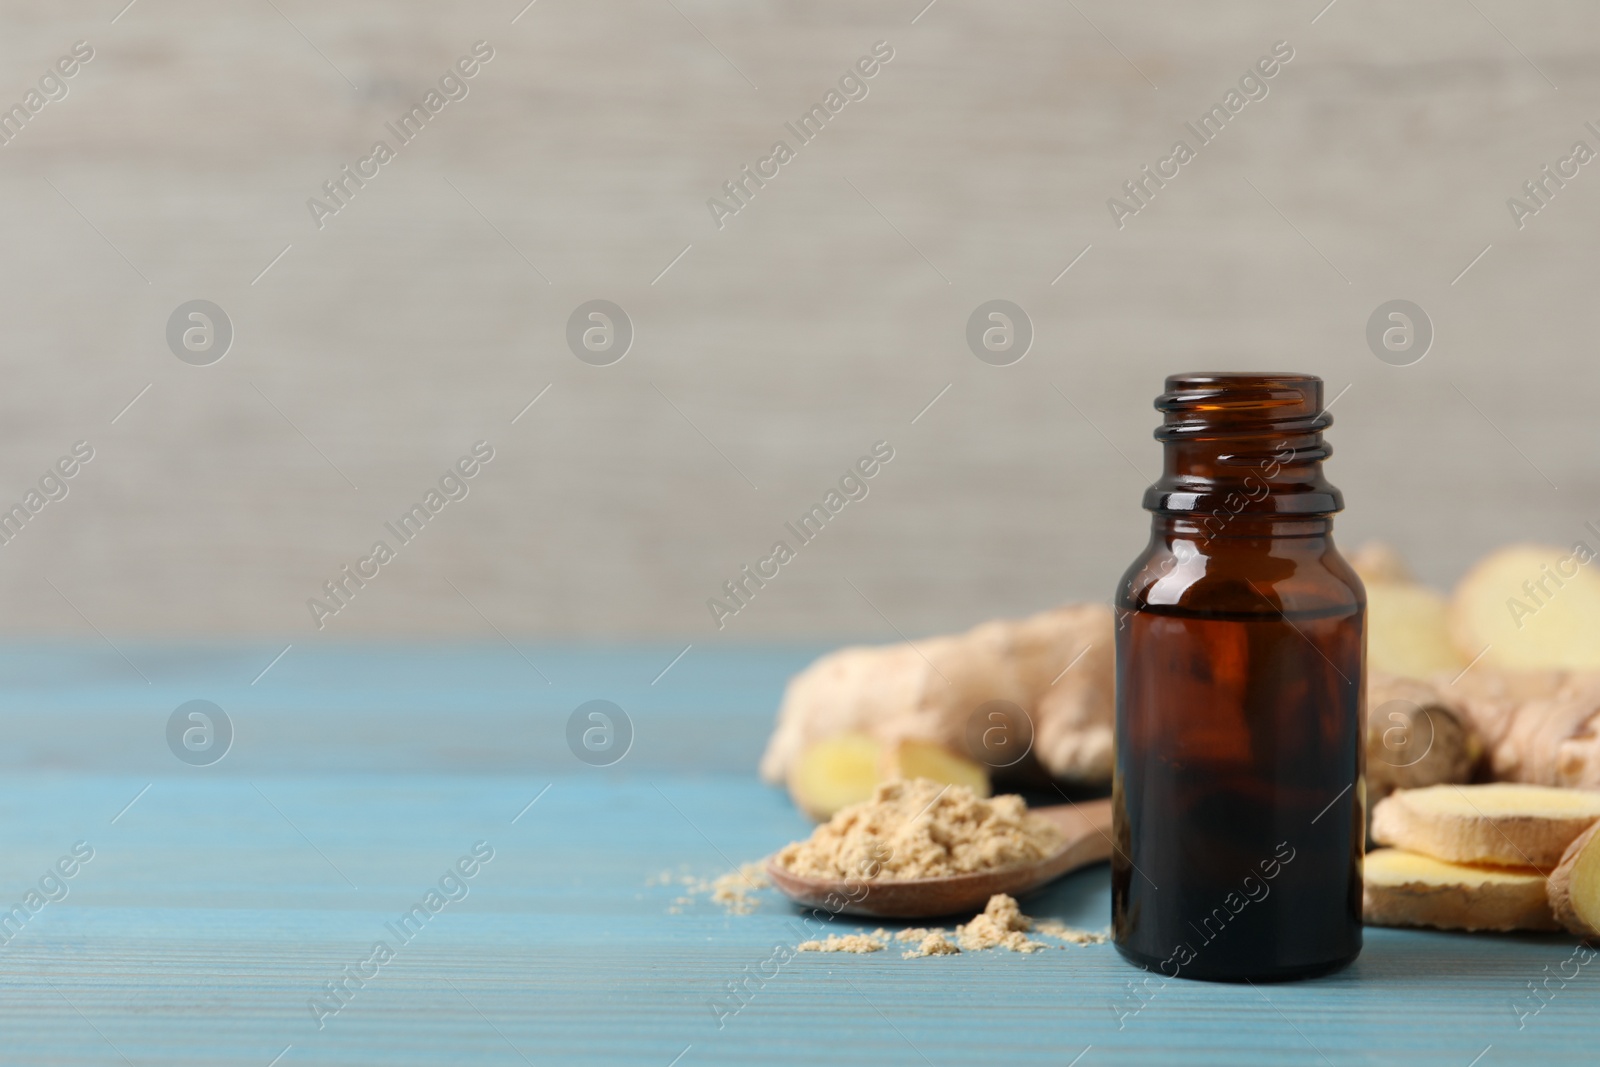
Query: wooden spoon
x=1086, y=830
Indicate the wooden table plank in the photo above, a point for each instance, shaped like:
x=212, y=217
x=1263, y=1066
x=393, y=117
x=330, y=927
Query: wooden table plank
x=219, y=904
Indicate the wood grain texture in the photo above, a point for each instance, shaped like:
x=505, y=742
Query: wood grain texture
x=820, y=319
x=220, y=902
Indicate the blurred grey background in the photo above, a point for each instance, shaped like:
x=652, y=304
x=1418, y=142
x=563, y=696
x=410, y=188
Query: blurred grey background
x=769, y=354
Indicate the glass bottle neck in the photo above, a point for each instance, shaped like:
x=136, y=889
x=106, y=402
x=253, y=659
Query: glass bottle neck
x=1260, y=474
x=1239, y=444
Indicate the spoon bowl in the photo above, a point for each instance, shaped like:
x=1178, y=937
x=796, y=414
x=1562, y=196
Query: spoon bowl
x=1086, y=839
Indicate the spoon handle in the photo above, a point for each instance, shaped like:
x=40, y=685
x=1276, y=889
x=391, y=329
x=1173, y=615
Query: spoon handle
x=1087, y=826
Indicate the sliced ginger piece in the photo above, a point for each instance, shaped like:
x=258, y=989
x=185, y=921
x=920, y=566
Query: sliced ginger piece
x=1534, y=607
x=911, y=758
x=835, y=773
x=844, y=770
x=1408, y=631
x=1408, y=889
x=1503, y=824
x=1408, y=627
x=1575, y=885
x=1408, y=624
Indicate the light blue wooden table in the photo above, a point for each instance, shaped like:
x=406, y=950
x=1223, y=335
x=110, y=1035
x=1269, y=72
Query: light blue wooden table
x=222, y=899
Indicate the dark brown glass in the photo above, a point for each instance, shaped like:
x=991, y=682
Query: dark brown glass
x=1241, y=650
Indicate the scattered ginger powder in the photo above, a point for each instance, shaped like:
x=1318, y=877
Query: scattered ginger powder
x=931, y=943
x=917, y=828
x=736, y=891
x=857, y=943
x=1000, y=925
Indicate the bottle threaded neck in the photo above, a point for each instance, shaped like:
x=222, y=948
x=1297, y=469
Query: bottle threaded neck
x=1237, y=404
x=1238, y=442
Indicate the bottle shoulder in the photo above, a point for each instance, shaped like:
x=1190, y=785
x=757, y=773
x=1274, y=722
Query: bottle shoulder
x=1283, y=576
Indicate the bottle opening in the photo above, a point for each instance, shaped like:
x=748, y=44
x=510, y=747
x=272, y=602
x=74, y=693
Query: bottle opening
x=1213, y=404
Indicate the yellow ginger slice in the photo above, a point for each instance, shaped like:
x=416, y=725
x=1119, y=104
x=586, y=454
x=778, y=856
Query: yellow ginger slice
x=843, y=770
x=1575, y=886
x=925, y=759
x=1534, y=607
x=1502, y=823
x=835, y=773
x=1407, y=889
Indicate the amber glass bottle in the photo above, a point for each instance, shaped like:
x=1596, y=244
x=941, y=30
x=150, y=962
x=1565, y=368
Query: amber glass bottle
x=1241, y=649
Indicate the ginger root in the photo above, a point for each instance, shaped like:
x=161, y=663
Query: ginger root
x=1531, y=607
x=1513, y=654
x=1042, y=684
x=1539, y=727
x=1408, y=630
x=1499, y=824
x=1408, y=889
x=1416, y=736
x=1574, y=887
x=998, y=693
x=1003, y=690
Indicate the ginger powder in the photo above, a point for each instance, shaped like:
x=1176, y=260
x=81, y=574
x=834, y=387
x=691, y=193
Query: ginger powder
x=916, y=828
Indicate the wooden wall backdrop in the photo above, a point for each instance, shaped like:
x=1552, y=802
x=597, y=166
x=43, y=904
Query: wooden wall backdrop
x=771, y=353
